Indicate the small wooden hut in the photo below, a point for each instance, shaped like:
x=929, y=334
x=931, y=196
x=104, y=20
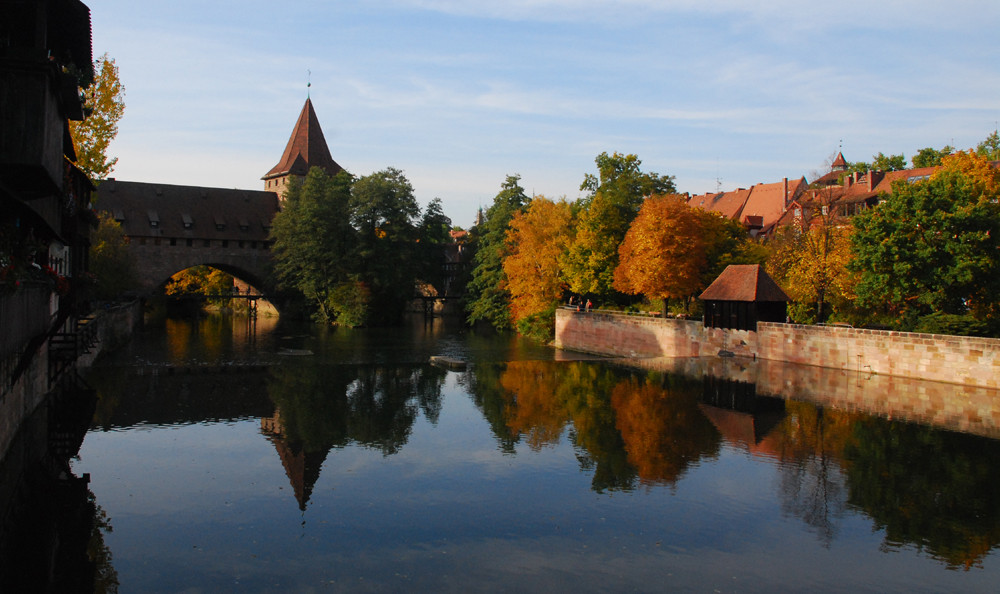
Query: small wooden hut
x=742, y=296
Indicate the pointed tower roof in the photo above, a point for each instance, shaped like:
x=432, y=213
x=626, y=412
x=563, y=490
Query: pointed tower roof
x=840, y=163
x=306, y=148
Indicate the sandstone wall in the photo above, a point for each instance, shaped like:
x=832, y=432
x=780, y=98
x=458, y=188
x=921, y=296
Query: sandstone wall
x=953, y=359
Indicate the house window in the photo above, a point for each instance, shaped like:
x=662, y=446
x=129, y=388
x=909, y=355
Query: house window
x=826, y=210
x=190, y=243
x=173, y=241
x=207, y=243
x=187, y=220
x=225, y=243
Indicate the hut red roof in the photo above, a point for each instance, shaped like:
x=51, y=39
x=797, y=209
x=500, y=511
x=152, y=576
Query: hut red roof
x=744, y=282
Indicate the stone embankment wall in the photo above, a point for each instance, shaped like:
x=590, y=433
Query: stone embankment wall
x=953, y=359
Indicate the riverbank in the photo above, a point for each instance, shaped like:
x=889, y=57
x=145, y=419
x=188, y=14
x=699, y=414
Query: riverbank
x=951, y=359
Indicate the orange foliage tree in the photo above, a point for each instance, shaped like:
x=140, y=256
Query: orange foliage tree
x=535, y=239
x=978, y=170
x=663, y=254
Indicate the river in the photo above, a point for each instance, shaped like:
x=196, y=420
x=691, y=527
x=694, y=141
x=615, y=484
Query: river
x=288, y=458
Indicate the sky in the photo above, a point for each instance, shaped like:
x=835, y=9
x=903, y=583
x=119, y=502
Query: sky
x=459, y=94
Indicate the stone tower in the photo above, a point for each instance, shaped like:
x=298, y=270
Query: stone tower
x=306, y=148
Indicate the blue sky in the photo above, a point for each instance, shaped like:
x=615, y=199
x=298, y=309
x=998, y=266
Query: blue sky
x=460, y=93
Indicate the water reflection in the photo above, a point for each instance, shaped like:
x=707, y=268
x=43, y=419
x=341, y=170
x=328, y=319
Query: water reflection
x=652, y=436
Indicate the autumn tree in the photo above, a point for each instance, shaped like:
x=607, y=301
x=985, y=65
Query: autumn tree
x=663, y=254
x=112, y=265
x=104, y=106
x=811, y=265
x=932, y=246
x=487, y=297
x=535, y=240
x=613, y=201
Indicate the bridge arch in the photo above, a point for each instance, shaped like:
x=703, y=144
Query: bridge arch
x=172, y=228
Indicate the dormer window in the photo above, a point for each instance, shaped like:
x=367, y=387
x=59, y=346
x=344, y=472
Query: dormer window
x=220, y=223
x=187, y=220
x=154, y=219
x=119, y=215
x=244, y=225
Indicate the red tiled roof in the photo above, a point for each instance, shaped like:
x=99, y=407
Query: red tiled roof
x=306, y=148
x=910, y=175
x=769, y=200
x=727, y=204
x=744, y=282
x=839, y=162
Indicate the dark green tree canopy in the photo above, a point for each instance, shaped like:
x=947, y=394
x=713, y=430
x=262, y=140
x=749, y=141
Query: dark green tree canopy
x=931, y=246
x=356, y=247
x=486, y=295
x=930, y=157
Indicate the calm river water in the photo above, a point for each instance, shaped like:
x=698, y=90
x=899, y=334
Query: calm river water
x=292, y=459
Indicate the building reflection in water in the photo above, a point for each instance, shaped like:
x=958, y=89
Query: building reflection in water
x=926, y=488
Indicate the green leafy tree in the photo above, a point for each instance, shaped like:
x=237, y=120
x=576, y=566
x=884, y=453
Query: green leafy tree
x=487, y=297
x=111, y=264
x=315, y=245
x=726, y=242
x=385, y=213
x=615, y=196
x=931, y=246
x=990, y=147
x=879, y=162
x=883, y=162
x=930, y=157
x=104, y=105
x=434, y=235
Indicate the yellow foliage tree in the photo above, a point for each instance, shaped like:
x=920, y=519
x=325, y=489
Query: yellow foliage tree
x=535, y=239
x=811, y=266
x=663, y=254
x=977, y=169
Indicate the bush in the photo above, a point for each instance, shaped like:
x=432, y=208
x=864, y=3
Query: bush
x=540, y=326
x=954, y=324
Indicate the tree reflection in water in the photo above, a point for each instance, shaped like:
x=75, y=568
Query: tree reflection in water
x=331, y=406
x=626, y=428
x=935, y=490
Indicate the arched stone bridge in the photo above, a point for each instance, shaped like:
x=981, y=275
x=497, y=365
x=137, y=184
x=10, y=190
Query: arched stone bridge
x=172, y=228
